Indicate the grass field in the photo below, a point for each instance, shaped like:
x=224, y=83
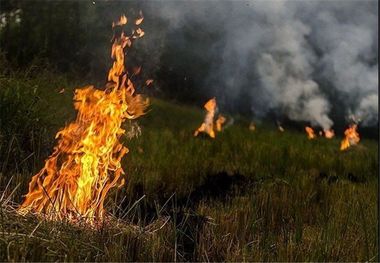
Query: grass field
x=245, y=196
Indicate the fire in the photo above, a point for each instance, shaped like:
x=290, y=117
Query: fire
x=208, y=123
x=252, y=126
x=219, y=122
x=279, y=126
x=310, y=133
x=86, y=162
x=140, y=19
x=351, y=137
x=329, y=134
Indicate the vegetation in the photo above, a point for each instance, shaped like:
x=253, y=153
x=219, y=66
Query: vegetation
x=245, y=196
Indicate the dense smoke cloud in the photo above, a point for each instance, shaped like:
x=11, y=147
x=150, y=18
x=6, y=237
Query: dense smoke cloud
x=296, y=58
x=347, y=38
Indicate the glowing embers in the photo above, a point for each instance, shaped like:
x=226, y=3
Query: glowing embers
x=86, y=162
x=351, y=137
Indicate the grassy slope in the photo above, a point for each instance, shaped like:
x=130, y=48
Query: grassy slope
x=251, y=196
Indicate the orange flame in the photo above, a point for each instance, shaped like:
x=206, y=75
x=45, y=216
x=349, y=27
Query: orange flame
x=329, y=134
x=122, y=21
x=351, y=137
x=219, y=122
x=208, y=123
x=252, y=126
x=310, y=133
x=140, y=19
x=86, y=162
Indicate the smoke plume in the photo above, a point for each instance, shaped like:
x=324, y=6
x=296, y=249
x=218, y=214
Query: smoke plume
x=300, y=59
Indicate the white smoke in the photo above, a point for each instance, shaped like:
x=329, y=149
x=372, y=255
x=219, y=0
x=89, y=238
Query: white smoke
x=285, y=67
x=347, y=37
x=297, y=58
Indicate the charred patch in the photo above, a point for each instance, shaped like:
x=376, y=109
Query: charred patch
x=189, y=226
x=355, y=179
x=219, y=186
x=330, y=179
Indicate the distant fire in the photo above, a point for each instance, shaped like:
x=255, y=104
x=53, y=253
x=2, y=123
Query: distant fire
x=351, y=137
x=279, y=126
x=310, y=133
x=252, y=126
x=219, y=122
x=86, y=162
x=329, y=134
x=208, y=123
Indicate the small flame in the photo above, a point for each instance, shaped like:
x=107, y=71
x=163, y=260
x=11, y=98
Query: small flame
x=86, y=162
x=252, y=126
x=310, y=133
x=140, y=19
x=219, y=122
x=122, y=21
x=208, y=123
x=351, y=137
x=139, y=32
x=279, y=126
x=148, y=82
x=329, y=134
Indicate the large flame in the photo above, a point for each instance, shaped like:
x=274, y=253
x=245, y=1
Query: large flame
x=86, y=162
x=351, y=137
x=310, y=133
x=208, y=124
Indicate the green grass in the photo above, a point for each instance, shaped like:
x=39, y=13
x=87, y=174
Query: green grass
x=245, y=196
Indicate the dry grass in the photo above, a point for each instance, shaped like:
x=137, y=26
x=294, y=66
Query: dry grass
x=245, y=196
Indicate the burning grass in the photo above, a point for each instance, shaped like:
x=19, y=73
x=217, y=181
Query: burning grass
x=281, y=196
x=351, y=137
x=85, y=163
